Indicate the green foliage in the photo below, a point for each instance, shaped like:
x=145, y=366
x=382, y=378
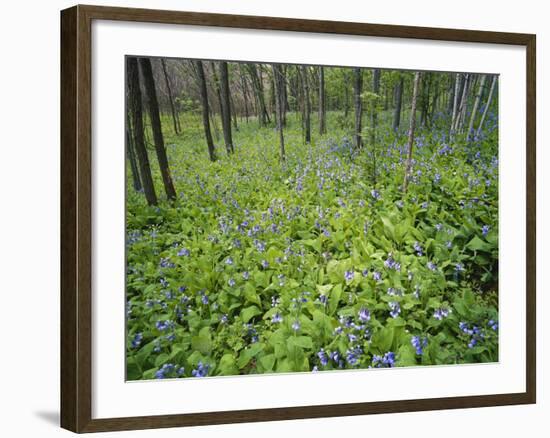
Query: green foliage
x=263, y=267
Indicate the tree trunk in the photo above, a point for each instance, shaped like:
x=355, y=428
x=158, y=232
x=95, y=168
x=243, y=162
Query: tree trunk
x=455, y=102
x=205, y=110
x=487, y=105
x=398, y=102
x=137, y=123
x=357, y=86
x=412, y=125
x=257, y=83
x=130, y=153
x=464, y=103
x=158, y=139
x=279, y=83
x=475, y=108
x=322, y=104
x=307, y=106
x=374, y=118
x=245, y=92
x=225, y=107
x=177, y=128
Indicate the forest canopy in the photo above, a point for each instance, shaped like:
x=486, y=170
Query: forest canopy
x=285, y=218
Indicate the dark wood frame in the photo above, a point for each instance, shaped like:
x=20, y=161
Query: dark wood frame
x=76, y=218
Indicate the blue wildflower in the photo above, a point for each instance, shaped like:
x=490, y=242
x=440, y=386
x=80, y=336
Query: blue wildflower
x=201, y=370
x=364, y=314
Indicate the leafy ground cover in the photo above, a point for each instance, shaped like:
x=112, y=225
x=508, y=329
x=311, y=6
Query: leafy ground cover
x=320, y=263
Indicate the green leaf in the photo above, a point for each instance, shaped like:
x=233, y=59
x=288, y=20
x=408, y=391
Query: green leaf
x=334, y=298
x=250, y=312
x=383, y=339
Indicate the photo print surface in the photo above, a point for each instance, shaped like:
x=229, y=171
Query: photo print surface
x=287, y=218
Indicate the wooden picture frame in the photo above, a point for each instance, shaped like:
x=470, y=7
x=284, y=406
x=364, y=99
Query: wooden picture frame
x=76, y=217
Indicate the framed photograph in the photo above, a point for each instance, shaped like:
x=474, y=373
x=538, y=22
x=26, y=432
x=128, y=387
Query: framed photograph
x=270, y=218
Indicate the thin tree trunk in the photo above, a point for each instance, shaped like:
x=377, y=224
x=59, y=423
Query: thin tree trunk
x=357, y=86
x=149, y=82
x=225, y=107
x=205, y=110
x=412, y=126
x=374, y=118
x=487, y=105
x=455, y=102
x=322, y=104
x=170, y=98
x=130, y=153
x=475, y=108
x=399, y=100
x=307, y=106
x=137, y=123
x=279, y=83
x=257, y=83
x=464, y=103
x=245, y=92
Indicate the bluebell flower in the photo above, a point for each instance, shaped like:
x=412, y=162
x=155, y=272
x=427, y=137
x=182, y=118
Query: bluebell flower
x=167, y=368
x=377, y=276
x=365, y=272
x=449, y=244
x=228, y=261
x=184, y=252
x=136, y=341
x=265, y=264
x=438, y=227
x=323, y=299
x=180, y=371
x=441, y=313
x=323, y=358
x=231, y=282
x=459, y=267
x=418, y=249
x=485, y=230
x=276, y=318
x=348, y=275
x=395, y=309
x=493, y=325
x=296, y=325
x=432, y=266
x=204, y=299
x=224, y=319
x=419, y=343
x=246, y=275
x=163, y=325
x=201, y=370
x=375, y=194
x=364, y=314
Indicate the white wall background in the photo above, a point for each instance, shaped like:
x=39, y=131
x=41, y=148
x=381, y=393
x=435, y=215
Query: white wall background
x=29, y=214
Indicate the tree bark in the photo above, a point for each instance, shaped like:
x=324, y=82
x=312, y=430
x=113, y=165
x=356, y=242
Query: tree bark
x=158, y=139
x=245, y=91
x=398, y=102
x=279, y=83
x=177, y=128
x=257, y=83
x=455, y=102
x=322, y=104
x=307, y=106
x=374, y=118
x=225, y=107
x=412, y=126
x=130, y=153
x=487, y=105
x=137, y=123
x=475, y=108
x=205, y=110
x=357, y=86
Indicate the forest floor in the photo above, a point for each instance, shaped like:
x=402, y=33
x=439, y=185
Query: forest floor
x=317, y=263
